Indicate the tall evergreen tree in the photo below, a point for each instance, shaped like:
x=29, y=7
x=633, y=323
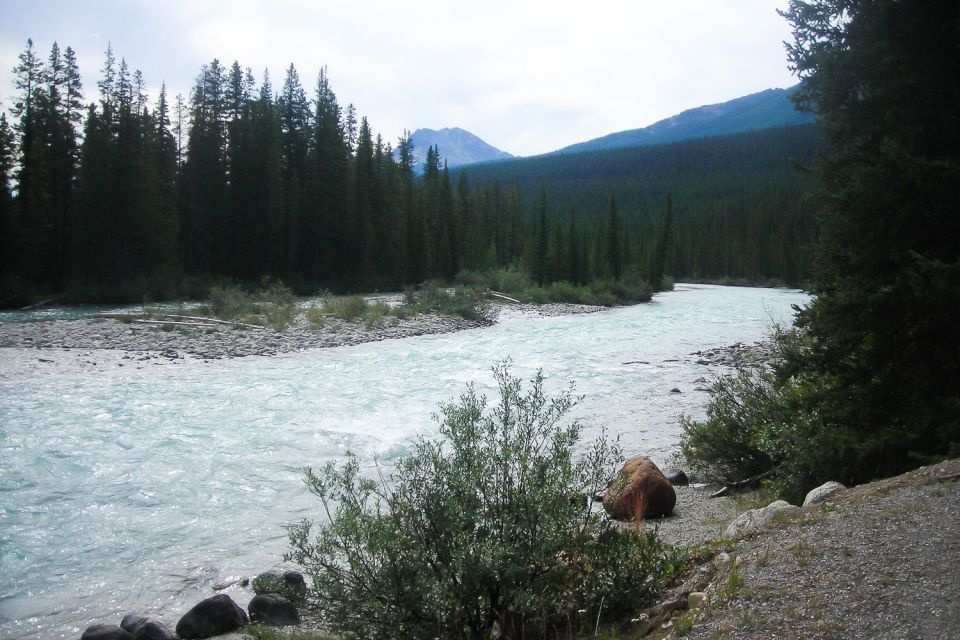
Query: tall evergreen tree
x=881, y=76
x=659, y=260
x=540, y=259
x=614, y=240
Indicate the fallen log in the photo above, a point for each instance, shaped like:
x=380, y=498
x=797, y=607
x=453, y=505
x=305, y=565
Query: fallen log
x=740, y=484
x=497, y=294
x=173, y=318
x=176, y=323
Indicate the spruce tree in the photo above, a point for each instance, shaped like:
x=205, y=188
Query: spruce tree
x=881, y=77
x=540, y=258
x=614, y=240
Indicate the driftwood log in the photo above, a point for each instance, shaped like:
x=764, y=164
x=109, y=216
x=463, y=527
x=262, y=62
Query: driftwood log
x=741, y=484
x=199, y=322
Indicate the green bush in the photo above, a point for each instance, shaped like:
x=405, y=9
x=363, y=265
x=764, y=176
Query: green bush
x=484, y=531
x=775, y=418
x=349, y=308
x=463, y=302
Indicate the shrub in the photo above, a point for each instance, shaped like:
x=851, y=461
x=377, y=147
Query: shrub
x=463, y=302
x=349, y=308
x=483, y=531
x=772, y=418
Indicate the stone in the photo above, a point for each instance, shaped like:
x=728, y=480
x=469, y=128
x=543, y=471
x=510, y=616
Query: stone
x=675, y=390
x=822, y=493
x=144, y=628
x=697, y=599
x=756, y=519
x=131, y=622
x=214, y=616
x=673, y=604
x=225, y=583
x=677, y=477
x=153, y=630
x=274, y=610
x=289, y=584
x=639, y=491
x=106, y=632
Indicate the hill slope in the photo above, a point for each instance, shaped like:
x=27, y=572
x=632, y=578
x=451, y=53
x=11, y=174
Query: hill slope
x=763, y=110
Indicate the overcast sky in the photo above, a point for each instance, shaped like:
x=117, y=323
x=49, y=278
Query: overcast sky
x=527, y=77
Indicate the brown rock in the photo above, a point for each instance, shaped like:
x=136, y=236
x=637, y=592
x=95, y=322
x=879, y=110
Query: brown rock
x=639, y=491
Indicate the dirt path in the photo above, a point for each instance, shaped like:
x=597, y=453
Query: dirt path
x=880, y=561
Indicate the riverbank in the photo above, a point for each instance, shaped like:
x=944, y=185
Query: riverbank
x=874, y=561
x=173, y=342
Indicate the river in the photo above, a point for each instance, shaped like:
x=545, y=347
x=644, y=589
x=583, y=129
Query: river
x=133, y=488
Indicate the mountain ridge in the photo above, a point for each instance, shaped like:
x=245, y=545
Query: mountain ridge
x=762, y=110
x=458, y=147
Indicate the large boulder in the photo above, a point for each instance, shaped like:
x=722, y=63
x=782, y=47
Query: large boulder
x=211, y=617
x=289, y=584
x=144, y=628
x=756, y=519
x=106, y=632
x=271, y=609
x=639, y=491
x=823, y=492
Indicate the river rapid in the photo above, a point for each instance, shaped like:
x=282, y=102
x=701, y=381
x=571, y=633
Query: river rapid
x=133, y=488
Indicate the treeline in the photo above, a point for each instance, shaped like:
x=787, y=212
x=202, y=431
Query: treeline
x=128, y=196
x=740, y=209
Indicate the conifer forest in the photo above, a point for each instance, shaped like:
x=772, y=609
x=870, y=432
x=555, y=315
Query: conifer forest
x=241, y=181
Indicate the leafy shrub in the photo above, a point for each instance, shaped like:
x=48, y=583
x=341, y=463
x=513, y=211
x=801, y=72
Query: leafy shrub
x=349, y=308
x=509, y=280
x=463, y=302
x=274, y=306
x=772, y=418
x=482, y=531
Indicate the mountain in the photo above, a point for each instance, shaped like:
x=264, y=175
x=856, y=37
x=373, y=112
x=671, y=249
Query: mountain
x=457, y=147
x=770, y=108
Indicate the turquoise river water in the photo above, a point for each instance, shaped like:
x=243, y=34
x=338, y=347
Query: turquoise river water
x=133, y=488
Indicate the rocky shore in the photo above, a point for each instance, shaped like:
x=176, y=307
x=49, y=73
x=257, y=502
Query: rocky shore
x=174, y=342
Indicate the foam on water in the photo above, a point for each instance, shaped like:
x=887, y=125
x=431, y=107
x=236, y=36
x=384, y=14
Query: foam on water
x=131, y=489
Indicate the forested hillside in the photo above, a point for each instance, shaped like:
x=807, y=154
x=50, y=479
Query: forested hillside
x=763, y=110
x=739, y=210
x=134, y=196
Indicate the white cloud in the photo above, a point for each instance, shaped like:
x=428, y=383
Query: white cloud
x=527, y=76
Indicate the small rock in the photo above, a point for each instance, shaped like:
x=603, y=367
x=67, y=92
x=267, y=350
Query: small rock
x=823, y=492
x=131, y=622
x=673, y=604
x=722, y=558
x=755, y=519
x=697, y=599
x=106, y=632
x=676, y=477
x=224, y=583
x=153, y=630
x=675, y=390
x=274, y=610
x=289, y=584
x=214, y=616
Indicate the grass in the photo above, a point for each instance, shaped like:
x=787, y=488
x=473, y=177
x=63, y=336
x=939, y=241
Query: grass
x=259, y=632
x=629, y=289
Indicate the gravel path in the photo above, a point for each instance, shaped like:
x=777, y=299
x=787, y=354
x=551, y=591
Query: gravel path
x=880, y=561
